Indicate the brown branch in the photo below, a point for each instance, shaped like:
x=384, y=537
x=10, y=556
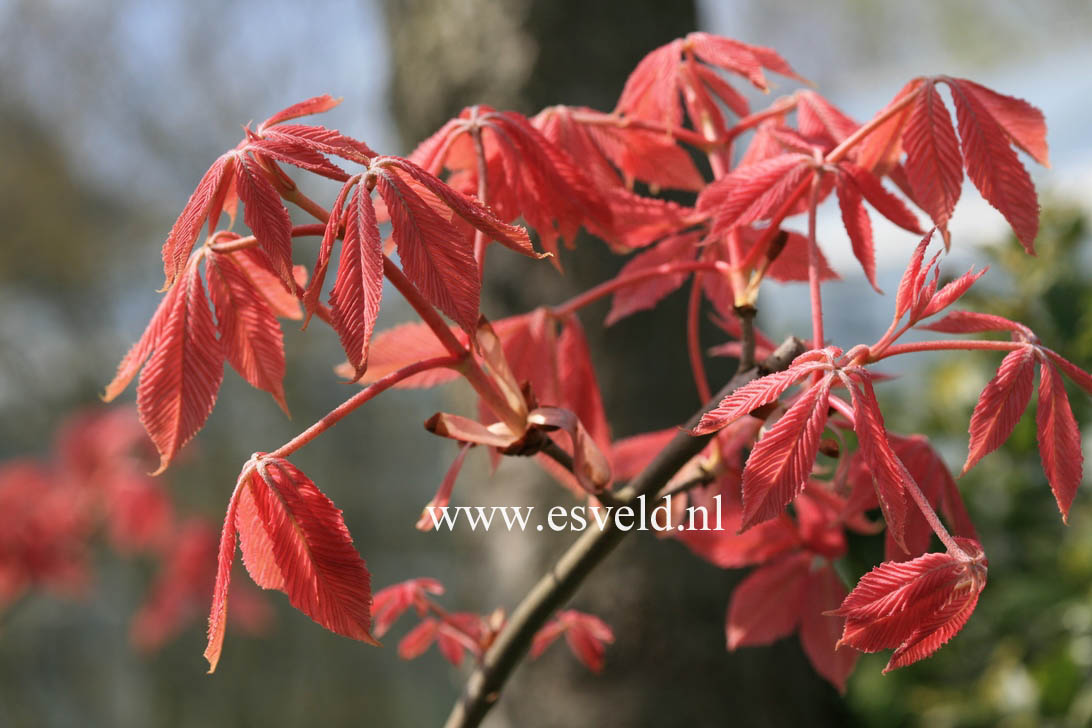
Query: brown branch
x=558, y=585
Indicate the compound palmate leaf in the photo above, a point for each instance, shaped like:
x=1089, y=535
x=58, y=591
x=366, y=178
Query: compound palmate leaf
x=294, y=540
x=916, y=606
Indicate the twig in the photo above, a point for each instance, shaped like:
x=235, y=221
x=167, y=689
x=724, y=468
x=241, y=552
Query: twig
x=554, y=589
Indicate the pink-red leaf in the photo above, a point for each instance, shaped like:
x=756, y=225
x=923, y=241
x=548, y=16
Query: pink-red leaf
x=751, y=396
x=358, y=288
x=180, y=381
x=914, y=606
x=1002, y=402
x=435, y=255
x=313, y=105
x=859, y=227
x=819, y=632
x=249, y=332
x=198, y=208
x=933, y=162
x=766, y=605
x=225, y=559
x=994, y=167
x=320, y=570
x=389, y=604
x=401, y=346
x=647, y=293
x=1023, y=123
x=779, y=465
x=265, y=215
x=908, y=291
x=752, y=193
x=971, y=322
x=887, y=471
x=1059, y=438
x=470, y=209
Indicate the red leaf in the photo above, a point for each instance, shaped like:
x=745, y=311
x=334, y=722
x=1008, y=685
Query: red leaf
x=249, y=332
x=937, y=485
x=1078, y=375
x=639, y=221
x=1059, y=438
x=179, y=383
x=322, y=140
x=389, y=604
x=142, y=349
x=225, y=558
x=887, y=204
x=298, y=155
x=650, y=91
x=586, y=634
x=792, y=263
x=779, y=465
x=588, y=637
x=579, y=386
x=602, y=144
x=330, y=234
x=818, y=118
x=729, y=549
x=320, y=570
x=1023, y=123
x=198, y=208
x=933, y=163
x=313, y=105
x=994, y=167
x=766, y=605
x=908, y=284
x=255, y=264
x=265, y=216
x=630, y=455
x=819, y=632
x=914, y=606
x=887, y=471
x=401, y=346
x=859, y=228
x=752, y=193
x=751, y=396
x=435, y=255
x=647, y=293
x=418, y=639
x=471, y=210
x=970, y=322
x=1002, y=402
x=952, y=292
x=746, y=60
x=880, y=150
x=358, y=288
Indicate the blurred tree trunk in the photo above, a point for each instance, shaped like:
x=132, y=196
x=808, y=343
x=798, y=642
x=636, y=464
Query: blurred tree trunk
x=668, y=666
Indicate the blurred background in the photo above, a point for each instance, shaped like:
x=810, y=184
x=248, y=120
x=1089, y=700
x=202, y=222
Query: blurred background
x=111, y=110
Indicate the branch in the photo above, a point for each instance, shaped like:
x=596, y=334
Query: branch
x=554, y=589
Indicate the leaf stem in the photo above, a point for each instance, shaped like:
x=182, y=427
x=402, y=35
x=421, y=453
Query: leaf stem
x=608, y=287
x=249, y=241
x=483, y=187
x=364, y=395
x=973, y=344
x=693, y=338
x=839, y=152
x=814, y=285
